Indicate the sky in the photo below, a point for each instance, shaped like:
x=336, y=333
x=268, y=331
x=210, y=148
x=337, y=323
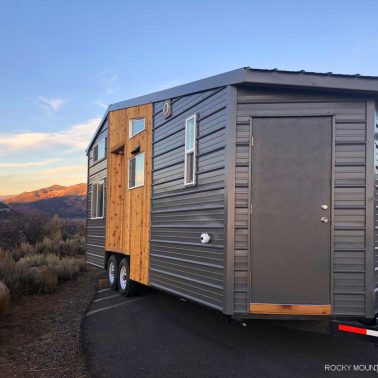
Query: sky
x=63, y=62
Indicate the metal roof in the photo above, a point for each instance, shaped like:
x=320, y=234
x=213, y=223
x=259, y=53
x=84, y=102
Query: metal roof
x=255, y=76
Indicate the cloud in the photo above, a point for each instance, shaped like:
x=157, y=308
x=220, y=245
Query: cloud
x=66, y=170
x=67, y=175
x=30, y=164
x=75, y=137
x=109, y=81
x=50, y=105
x=100, y=104
x=169, y=84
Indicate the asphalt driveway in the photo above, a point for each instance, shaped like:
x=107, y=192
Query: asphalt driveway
x=160, y=335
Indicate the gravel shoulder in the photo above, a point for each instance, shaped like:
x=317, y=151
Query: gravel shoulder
x=40, y=336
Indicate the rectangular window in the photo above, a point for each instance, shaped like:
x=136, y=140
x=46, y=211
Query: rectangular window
x=99, y=150
x=136, y=171
x=190, y=150
x=97, y=202
x=136, y=126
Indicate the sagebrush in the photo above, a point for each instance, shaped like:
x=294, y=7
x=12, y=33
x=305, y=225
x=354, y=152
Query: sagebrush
x=37, y=267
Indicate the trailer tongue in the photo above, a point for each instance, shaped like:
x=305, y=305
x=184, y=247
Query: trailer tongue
x=356, y=329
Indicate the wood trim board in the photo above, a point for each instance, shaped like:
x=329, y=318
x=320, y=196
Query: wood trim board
x=289, y=309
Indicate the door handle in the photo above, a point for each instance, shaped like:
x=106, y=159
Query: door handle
x=324, y=219
x=324, y=207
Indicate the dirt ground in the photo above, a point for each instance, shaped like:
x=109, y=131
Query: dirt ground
x=40, y=336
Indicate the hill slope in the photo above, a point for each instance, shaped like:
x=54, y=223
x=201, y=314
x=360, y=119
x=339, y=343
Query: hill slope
x=65, y=201
x=46, y=193
x=6, y=212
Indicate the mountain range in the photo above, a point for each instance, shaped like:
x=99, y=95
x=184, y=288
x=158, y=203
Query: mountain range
x=65, y=201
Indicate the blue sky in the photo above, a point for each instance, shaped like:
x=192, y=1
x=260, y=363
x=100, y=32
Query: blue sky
x=63, y=62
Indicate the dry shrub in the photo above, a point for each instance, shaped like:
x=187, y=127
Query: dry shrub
x=4, y=299
x=45, y=279
x=36, y=274
x=73, y=247
x=68, y=268
x=53, y=228
x=70, y=247
x=37, y=266
x=22, y=250
x=18, y=278
x=47, y=246
x=65, y=268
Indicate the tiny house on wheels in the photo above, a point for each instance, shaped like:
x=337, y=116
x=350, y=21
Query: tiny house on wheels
x=251, y=192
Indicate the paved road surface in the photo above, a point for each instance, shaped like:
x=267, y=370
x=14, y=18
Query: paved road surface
x=159, y=335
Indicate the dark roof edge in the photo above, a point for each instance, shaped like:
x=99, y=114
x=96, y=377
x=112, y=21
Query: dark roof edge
x=247, y=75
x=312, y=80
x=227, y=78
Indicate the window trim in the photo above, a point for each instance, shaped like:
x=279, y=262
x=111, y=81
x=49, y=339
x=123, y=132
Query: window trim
x=189, y=151
x=128, y=171
x=96, y=145
x=131, y=126
x=95, y=184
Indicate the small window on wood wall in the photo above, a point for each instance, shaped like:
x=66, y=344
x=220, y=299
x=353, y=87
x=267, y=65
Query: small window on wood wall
x=99, y=150
x=136, y=171
x=136, y=126
x=97, y=200
x=190, y=150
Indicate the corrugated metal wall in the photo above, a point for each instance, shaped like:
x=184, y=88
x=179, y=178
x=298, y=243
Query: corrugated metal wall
x=376, y=210
x=95, y=252
x=349, y=224
x=178, y=261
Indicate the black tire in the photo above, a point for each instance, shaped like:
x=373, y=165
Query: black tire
x=126, y=286
x=112, y=272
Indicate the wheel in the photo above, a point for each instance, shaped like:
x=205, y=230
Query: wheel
x=126, y=286
x=111, y=271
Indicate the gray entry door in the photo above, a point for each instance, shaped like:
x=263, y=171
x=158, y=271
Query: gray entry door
x=291, y=180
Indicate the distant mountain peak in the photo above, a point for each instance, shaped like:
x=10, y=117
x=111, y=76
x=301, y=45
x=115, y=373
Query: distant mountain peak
x=53, y=191
x=65, y=201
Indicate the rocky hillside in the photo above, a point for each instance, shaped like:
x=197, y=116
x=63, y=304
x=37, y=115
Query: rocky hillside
x=53, y=191
x=6, y=211
x=65, y=201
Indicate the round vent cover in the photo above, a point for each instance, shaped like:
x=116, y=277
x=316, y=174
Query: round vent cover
x=167, y=109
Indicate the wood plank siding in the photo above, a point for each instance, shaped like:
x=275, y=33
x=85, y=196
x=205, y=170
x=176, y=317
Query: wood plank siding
x=128, y=210
x=288, y=309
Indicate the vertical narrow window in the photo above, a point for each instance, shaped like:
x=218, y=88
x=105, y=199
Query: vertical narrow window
x=190, y=150
x=95, y=153
x=94, y=200
x=97, y=200
x=100, y=200
x=136, y=171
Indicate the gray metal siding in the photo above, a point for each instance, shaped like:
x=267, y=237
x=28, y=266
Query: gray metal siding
x=349, y=222
x=95, y=251
x=179, y=263
x=376, y=209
